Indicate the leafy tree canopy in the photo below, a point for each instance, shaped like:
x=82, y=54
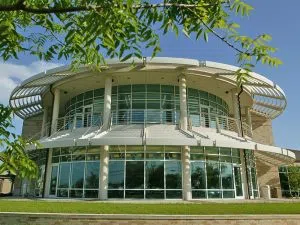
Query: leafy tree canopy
x=14, y=159
x=87, y=31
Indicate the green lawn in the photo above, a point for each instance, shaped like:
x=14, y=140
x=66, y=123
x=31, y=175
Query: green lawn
x=152, y=208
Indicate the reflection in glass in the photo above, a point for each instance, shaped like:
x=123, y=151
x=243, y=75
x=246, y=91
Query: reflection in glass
x=173, y=175
x=64, y=175
x=154, y=174
x=77, y=175
x=198, y=175
x=116, y=174
x=53, y=180
x=227, y=176
x=135, y=174
x=213, y=175
x=92, y=175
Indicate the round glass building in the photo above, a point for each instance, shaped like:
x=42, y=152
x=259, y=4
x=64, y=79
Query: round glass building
x=162, y=128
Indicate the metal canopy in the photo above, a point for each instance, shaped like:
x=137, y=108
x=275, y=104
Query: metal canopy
x=268, y=98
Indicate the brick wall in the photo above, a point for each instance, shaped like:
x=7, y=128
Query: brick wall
x=32, y=126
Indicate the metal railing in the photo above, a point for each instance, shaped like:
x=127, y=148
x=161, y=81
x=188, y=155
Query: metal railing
x=145, y=116
x=77, y=120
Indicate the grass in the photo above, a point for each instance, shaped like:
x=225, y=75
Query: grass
x=37, y=206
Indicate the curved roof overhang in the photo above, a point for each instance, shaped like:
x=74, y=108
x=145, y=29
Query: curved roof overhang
x=268, y=98
x=161, y=134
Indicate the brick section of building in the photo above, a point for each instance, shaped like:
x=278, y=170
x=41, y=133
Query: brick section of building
x=267, y=173
x=32, y=126
x=262, y=130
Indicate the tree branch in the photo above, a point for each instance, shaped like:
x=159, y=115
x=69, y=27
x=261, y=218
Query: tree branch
x=21, y=6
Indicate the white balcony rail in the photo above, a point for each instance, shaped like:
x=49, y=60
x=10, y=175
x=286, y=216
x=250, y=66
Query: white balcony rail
x=77, y=120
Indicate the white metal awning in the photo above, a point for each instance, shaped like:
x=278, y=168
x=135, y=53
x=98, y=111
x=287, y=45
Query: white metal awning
x=160, y=134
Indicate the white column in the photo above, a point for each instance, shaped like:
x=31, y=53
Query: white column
x=183, y=103
x=186, y=165
x=236, y=111
x=244, y=174
x=48, y=174
x=103, y=178
x=55, y=111
x=186, y=169
x=44, y=124
x=107, y=102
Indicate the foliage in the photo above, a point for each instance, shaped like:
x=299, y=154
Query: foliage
x=87, y=31
x=14, y=158
x=294, y=180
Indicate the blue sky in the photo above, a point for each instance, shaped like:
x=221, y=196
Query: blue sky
x=277, y=18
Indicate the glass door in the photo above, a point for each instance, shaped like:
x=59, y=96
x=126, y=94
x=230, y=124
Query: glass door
x=239, y=193
x=87, y=115
x=53, y=181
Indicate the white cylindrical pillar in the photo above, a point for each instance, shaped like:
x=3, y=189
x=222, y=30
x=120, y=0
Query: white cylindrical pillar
x=186, y=169
x=236, y=111
x=107, y=102
x=183, y=103
x=103, y=177
x=44, y=124
x=55, y=111
x=48, y=174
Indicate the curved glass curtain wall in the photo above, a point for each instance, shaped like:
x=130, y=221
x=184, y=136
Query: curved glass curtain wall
x=204, y=108
x=149, y=172
x=144, y=103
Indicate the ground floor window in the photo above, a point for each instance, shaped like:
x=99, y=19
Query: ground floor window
x=151, y=172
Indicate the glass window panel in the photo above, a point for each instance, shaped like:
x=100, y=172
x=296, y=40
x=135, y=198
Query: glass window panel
x=116, y=155
x=153, y=88
x=93, y=149
x=139, y=95
x=76, y=193
x=214, y=194
x=135, y=174
x=167, y=89
x=62, y=193
x=227, y=176
x=134, y=156
x=114, y=90
x=153, y=96
x=117, y=148
x=65, y=158
x=134, y=194
x=155, y=194
x=78, y=157
x=212, y=150
x=225, y=151
x=116, y=175
x=138, y=88
x=198, y=175
x=213, y=175
x=91, y=193
x=212, y=158
x=92, y=175
x=64, y=175
x=138, y=104
x=236, y=160
x=154, y=174
x=53, y=180
x=173, y=156
x=197, y=149
x=198, y=194
x=197, y=157
x=134, y=148
x=154, y=149
x=124, y=89
x=55, y=159
x=65, y=151
x=235, y=152
x=173, y=149
x=99, y=92
x=88, y=102
x=173, y=194
x=173, y=175
x=79, y=150
x=225, y=159
x=77, y=175
x=154, y=155
x=92, y=157
x=192, y=92
x=153, y=104
x=228, y=194
x=253, y=176
x=167, y=104
x=115, y=194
